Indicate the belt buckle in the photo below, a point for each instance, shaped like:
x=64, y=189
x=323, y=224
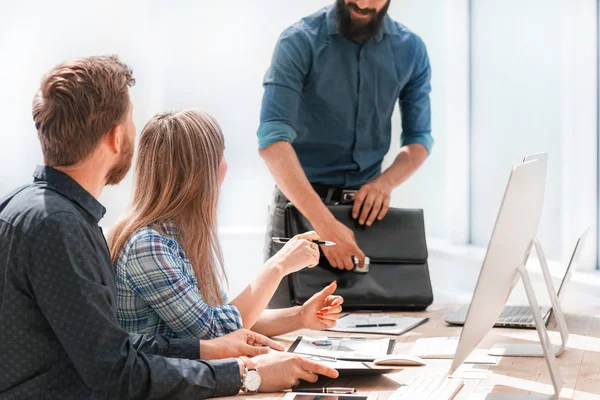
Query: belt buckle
x=348, y=195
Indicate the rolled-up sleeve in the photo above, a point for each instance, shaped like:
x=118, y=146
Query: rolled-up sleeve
x=156, y=272
x=283, y=84
x=415, y=103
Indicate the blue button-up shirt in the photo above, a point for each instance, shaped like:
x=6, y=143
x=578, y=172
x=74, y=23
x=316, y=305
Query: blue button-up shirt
x=333, y=98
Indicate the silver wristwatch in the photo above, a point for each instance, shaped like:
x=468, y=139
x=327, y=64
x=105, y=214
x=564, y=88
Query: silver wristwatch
x=251, y=379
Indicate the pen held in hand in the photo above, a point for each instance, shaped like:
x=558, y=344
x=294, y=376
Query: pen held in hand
x=320, y=242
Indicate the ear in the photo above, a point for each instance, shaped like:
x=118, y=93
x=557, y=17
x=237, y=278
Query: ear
x=113, y=139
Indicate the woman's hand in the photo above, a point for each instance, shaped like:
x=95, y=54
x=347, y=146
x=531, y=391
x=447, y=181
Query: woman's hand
x=323, y=309
x=300, y=252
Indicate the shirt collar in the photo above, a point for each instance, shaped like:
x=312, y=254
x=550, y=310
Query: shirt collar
x=388, y=26
x=169, y=227
x=70, y=189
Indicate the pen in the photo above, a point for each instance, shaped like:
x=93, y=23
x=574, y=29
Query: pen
x=332, y=390
x=285, y=240
x=371, y=325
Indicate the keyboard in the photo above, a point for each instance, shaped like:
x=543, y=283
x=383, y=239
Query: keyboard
x=429, y=388
x=516, y=314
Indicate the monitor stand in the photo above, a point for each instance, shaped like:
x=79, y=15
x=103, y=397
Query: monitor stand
x=536, y=350
x=545, y=347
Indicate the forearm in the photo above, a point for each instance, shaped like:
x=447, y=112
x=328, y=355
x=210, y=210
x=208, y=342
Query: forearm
x=283, y=163
x=255, y=297
x=162, y=346
x=408, y=160
x=279, y=322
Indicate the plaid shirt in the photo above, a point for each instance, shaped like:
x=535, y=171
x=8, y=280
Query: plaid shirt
x=157, y=290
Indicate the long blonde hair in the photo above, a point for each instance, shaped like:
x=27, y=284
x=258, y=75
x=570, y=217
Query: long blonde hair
x=177, y=178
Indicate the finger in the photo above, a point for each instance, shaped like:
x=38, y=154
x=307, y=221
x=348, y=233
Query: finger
x=310, y=235
x=257, y=338
x=366, y=208
x=308, y=376
x=384, y=208
x=360, y=255
x=338, y=263
x=327, y=323
x=330, y=257
x=375, y=211
x=348, y=263
x=329, y=317
x=253, y=351
x=326, y=292
x=314, y=257
x=318, y=368
x=330, y=310
x=337, y=300
x=334, y=300
x=315, y=252
x=358, y=202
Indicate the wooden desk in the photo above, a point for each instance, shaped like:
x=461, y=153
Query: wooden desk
x=579, y=364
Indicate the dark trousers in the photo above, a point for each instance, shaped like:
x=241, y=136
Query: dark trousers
x=276, y=228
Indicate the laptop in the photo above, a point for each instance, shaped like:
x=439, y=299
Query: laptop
x=521, y=316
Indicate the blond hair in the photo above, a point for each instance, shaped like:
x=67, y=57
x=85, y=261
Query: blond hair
x=177, y=178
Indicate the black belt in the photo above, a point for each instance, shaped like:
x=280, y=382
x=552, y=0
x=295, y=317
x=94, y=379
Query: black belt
x=333, y=195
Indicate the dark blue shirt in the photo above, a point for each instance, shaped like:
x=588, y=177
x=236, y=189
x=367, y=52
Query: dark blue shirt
x=333, y=98
x=59, y=333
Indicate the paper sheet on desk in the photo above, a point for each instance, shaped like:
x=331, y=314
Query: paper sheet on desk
x=470, y=371
x=403, y=324
x=445, y=348
x=347, y=348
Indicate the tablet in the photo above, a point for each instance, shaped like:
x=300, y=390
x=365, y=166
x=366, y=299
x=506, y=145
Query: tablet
x=343, y=348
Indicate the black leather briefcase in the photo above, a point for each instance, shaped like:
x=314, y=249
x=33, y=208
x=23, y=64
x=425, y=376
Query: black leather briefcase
x=398, y=276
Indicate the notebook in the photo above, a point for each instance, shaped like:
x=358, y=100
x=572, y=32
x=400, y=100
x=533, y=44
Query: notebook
x=348, y=322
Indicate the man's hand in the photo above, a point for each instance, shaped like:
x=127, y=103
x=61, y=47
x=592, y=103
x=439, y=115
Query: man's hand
x=374, y=198
x=340, y=255
x=242, y=342
x=280, y=371
x=322, y=310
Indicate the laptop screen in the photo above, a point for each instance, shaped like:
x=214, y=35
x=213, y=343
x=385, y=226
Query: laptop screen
x=571, y=267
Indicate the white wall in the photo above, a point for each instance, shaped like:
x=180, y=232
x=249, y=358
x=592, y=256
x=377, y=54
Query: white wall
x=528, y=78
x=440, y=185
x=534, y=85
x=193, y=54
x=37, y=35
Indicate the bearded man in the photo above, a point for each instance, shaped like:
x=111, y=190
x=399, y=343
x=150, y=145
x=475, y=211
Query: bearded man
x=325, y=124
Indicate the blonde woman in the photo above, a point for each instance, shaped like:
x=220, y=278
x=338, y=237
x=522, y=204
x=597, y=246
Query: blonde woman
x=166, y=252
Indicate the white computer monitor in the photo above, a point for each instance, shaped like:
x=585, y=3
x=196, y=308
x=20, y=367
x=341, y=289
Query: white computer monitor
x=509, y=247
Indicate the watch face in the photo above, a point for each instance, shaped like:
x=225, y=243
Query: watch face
x=252, y=381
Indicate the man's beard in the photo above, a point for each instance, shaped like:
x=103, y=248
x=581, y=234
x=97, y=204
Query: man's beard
x=120, y=169
x=357, y=31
